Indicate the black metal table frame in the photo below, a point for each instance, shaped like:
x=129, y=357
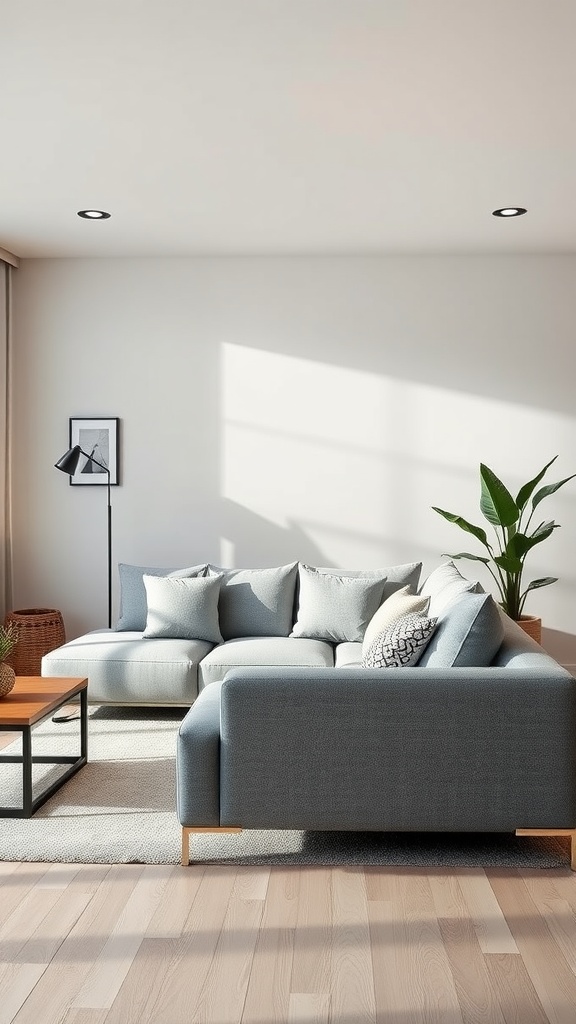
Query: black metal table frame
x=30, y=804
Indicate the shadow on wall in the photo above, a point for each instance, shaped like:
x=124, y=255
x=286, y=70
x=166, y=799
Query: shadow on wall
x=251, y=540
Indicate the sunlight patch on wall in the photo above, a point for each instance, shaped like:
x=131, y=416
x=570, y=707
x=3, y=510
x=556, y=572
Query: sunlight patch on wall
x=351, y=462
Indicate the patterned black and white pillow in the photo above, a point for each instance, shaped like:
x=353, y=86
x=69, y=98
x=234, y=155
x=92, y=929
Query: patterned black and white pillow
x=401, y=645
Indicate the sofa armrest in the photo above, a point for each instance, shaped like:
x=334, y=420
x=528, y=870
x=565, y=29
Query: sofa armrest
x=198, y=761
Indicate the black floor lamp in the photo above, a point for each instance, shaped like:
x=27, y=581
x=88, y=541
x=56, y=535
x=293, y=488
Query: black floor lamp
x=68, y=464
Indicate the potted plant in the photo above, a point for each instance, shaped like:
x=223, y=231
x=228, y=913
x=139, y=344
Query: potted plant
x=8, y=641
x=515, y=536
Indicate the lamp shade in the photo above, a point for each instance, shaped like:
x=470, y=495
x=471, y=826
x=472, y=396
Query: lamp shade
x=69, y=460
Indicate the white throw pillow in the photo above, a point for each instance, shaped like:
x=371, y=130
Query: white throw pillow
x=401, y=645
x=444, y=585
x=395, y=607
x=183, y=609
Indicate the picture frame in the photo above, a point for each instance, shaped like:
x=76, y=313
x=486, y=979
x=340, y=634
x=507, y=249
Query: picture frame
x=97, y=436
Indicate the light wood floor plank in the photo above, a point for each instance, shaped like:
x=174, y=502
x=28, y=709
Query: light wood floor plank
x=45, y=940
x=352, y=982
x=103, y=983
x=7, y=867
x=379, y=883
x=476, y=995
x=492, y=932
x=560, y=917
x=58, y=876
x=16, y=885
x=268, y=993
x=170, y=916
x=16, y=983
x=53, y=995
x=166, y=979
x=412, y=973
x=309, y=1008
x=312, y=961
x=24, y=921
x=84, y=1016
x=224, y=992
x=514, y=990
x=251, y=883
x=549, y=973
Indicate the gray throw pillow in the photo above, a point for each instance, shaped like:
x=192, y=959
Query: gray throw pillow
x=133, y=606
x=443, y=585
x=393, y=576
x=257, y=602
x=401, y=644
x=336, y=608
x=182, y=608
x=468, y=634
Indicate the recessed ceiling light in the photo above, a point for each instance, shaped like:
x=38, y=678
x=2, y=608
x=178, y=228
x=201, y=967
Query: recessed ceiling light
x=509, y=211
x=93, y=214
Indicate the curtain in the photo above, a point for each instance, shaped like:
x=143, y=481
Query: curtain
x=5, y=439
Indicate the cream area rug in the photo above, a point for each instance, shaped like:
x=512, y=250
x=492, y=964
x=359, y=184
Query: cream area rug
x=120, y=808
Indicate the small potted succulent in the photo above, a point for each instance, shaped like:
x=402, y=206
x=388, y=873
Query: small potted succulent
x=516, y=535
x=8, y=641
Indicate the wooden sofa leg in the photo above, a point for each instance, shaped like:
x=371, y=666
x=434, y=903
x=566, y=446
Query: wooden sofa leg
x=554, y=832
x=187, y=831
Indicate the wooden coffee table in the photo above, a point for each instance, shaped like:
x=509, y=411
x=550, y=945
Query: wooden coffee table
x=33, y=699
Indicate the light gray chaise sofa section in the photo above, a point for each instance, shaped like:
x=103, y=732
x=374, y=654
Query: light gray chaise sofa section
x=460, y=749
x=168, y=646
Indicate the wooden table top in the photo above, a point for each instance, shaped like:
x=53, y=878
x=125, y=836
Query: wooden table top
x=34, y=697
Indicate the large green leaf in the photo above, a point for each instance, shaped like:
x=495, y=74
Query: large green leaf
x=496, y=503
x=476, y=531
x=509, y=563
x=549, y=489
x=466, y=554
x=544, y=582
x=521, y=543
x=525, y=491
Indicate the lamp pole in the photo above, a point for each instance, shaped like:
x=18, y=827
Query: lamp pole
x=68, y=464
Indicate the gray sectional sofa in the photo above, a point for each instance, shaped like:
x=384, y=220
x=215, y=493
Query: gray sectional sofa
x=168, y=646
x=460, y=750
x=326, y=699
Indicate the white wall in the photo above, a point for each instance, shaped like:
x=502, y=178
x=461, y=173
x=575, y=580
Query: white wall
x=275, y=409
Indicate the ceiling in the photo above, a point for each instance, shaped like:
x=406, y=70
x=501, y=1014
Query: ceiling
x=211, y=127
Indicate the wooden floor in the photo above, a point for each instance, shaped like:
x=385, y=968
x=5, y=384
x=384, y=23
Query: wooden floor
x=132, y=944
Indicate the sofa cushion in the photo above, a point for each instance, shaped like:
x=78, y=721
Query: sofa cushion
x=348, y=655
x=401, y=643
x=133, y=607
x=469, y=633
x=256, y=602
x=264, y=651
x=122, y=668
x=183, y=608
x=443, y=585
x=399, y=604
x=393, y=576
x=333, y=607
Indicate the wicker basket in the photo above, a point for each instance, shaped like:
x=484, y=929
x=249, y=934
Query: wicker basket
x=7, y=679
x=40, y=630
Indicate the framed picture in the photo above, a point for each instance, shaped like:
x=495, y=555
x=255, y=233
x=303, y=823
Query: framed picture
x=98, y=439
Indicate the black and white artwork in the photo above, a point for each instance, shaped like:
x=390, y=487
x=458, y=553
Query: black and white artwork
x=98, y=439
